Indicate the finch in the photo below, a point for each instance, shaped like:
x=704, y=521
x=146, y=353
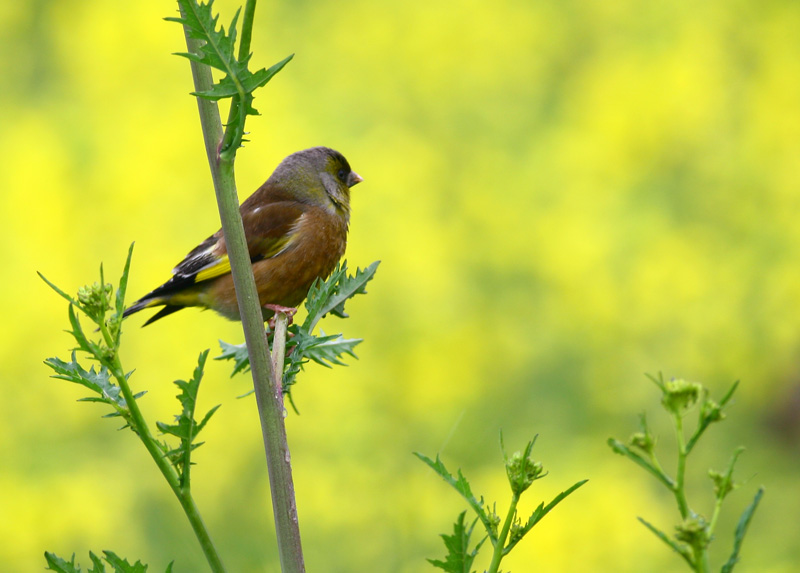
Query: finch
x=296, y=229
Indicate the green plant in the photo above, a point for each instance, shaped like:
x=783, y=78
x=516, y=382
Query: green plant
x=209, y=46
x=521, y=471
x=120, y=565
x=695, y=532
x=109, y=384
x=302, y=346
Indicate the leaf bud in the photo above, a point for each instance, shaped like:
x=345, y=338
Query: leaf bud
x=522, y=472
x=95, y=299
x=694, y=531
x=680, y=396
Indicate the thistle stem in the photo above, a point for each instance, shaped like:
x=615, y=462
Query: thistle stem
x=268, y=399
x=137, y=422
x=678, y=489
x=497, y=556
x=700, y=554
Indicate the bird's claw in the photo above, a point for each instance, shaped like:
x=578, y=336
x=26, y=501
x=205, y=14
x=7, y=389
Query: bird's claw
x=276, y=308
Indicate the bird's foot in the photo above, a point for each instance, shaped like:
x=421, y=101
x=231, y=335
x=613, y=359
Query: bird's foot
x=276, y=308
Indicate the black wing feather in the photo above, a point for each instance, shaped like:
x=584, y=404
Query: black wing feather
x=167, y=310
x=199, y=258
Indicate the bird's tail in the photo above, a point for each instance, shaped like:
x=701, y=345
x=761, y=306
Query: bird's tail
x=146, y=302
x=140, y=304
x=167, y=310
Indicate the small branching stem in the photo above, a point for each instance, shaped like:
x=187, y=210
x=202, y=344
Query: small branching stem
x=237, y=107
x=660, y=470
x=701, y=559
x=138, y=424
x=497, y=556
x=678, y=488
x=715, y=516
x=247, y=29
x=694, y=534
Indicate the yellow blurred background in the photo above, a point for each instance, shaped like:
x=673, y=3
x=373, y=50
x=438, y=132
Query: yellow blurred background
x=564, y=195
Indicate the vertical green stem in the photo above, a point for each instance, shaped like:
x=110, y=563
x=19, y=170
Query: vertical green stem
x=247, y=29
x=184, y=496
x=200, y=531
x=680, y=493
x=497, y=556
x=714, y=516
x=699, y=550
x=701, y=560
x=269, y=398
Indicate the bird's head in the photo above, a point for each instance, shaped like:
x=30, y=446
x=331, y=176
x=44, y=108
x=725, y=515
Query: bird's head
x=318, y=175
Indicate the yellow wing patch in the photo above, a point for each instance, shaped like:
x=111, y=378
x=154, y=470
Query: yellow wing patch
x=221, y=267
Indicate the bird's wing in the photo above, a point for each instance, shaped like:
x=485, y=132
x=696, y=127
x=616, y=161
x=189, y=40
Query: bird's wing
x=269, y=230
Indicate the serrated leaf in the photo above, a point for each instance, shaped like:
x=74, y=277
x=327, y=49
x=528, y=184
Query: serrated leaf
x=249, y=82
x=237, y=353
x=122, y=565
x=262, y=76
x=200, y=22
x=461, y=485
x=119, y=564
x=217, y=51
x=99, y=382
x=328, y=349
x=319, y=294
x=97, y=564
x=56, y=563
x=225, y=88
x=459, y=558
x=741, y=530
x=331, y=295
x=323, y=297
x=186, y=427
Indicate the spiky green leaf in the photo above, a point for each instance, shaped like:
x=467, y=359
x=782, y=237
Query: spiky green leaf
x=217, y=50
x=237, y=353
x=56, y=563
x=98, y=381
x=324, y=297
x=459, y=558
x=121, y=565
x=461, y=485
x=186, y=427
x=329, y=296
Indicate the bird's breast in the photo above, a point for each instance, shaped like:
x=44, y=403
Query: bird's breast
x=318, y=243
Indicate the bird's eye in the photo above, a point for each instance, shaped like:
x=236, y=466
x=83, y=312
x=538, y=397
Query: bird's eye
x=342, y=174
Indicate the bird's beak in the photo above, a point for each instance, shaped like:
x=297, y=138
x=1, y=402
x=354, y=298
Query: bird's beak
x=353, y=179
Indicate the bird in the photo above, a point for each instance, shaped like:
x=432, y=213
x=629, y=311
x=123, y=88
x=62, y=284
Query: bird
x=296, y=227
